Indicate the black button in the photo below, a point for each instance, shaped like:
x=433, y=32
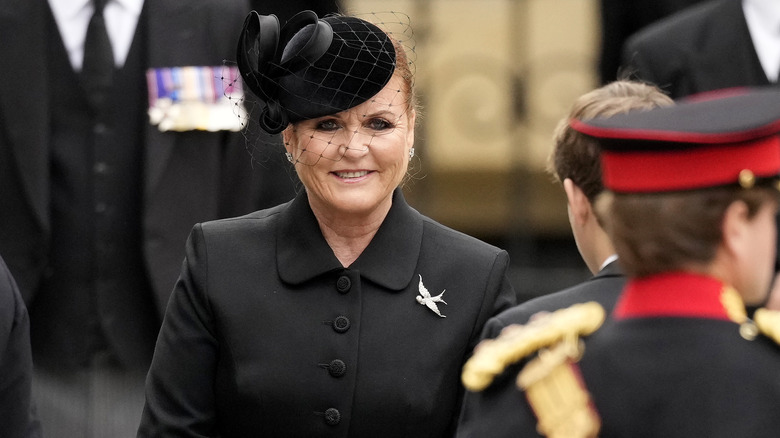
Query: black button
x=337, y=368
x=343, y=284
x=100, y=128
x=332, y=417
x=100, y=208
x=341, y=324
x=100, y=168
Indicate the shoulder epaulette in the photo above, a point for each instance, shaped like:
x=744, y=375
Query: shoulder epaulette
x=768, y=323
x=515, y=342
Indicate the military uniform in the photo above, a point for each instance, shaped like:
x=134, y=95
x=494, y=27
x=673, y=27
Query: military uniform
x=484, y=412
x=678, y=356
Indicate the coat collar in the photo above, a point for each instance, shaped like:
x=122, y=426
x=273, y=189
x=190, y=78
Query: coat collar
x=612, y=269
x=679, y=294
x=389, y=260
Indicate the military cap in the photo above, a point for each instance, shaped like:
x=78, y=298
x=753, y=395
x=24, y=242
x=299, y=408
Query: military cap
x=725, y=138
x=312, y=67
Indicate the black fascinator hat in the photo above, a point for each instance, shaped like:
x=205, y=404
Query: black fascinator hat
x=312, y=67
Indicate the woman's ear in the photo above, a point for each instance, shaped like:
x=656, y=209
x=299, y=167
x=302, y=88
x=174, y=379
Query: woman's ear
x=288, y=138
x=410, y=130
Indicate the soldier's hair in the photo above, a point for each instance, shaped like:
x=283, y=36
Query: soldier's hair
x=662, y=232
x=576, y=156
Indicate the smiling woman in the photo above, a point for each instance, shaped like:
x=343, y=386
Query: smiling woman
x=350, y=163
x=311, y=318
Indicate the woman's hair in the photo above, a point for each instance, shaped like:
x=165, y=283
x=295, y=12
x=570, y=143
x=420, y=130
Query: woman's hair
x=403, y=69
x=575, y=155
x=661, y=232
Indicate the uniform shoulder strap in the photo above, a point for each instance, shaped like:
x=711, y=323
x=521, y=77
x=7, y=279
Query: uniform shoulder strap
x=768, y=323
x=556, y=338
x=515, y=342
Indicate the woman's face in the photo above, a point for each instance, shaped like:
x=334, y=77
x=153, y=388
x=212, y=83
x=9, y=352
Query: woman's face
x=351, y=162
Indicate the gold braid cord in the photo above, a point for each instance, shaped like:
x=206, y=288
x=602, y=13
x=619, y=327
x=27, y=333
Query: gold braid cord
x=551, y=381
x=768, y=322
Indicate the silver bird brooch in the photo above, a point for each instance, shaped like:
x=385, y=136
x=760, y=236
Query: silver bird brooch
x=426, y=299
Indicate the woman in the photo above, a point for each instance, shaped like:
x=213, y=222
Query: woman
x=343, y=312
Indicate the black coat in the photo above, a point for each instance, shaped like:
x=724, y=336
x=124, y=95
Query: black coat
x=500, y=411
x=16, y=406
x=703, y=48
x=268, y=335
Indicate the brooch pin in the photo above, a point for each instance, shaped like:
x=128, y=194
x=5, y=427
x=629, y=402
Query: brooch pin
x=426, y=299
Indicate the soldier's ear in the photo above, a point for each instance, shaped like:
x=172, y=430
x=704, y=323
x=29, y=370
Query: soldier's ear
x=734, y=228
x=579, y=206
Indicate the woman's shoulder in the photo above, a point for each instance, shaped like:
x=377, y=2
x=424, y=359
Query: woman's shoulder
x=455, y=239
x=256, y=220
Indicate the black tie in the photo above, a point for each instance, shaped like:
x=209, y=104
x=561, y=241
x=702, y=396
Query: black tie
x=98, y=69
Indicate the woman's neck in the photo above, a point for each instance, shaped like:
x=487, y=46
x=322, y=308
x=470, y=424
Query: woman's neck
x=349, y=234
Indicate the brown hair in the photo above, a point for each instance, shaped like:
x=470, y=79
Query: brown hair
x=661, y=232
x=403, y=69
x=575, y=155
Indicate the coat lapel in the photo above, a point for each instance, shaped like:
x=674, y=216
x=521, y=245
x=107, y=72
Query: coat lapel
x=24, y=103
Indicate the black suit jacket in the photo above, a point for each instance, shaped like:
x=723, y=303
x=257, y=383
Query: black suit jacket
x=268, y=335
x=16, y=406
x=622, y=18
x=501, y=410
x=703, y=48
x=188, y=177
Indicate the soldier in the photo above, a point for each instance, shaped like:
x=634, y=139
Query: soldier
x=691, y=203
x=574, y=161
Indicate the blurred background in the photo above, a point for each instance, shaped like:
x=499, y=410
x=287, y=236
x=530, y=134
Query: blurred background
x=494, y=78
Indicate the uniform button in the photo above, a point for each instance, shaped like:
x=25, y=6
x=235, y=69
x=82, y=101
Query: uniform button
x=332, y=417
x=343, y=284
x=341, y=324
x=100, y=208
x=337, y=368
x=100, y=128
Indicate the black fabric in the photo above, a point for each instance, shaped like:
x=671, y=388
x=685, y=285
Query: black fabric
x=747, y=115
x=702, y=48
x=98, y=68
x=17, y=409
x=682, y=377
x=286, y=69
x=257, y=309
x=97, y=292
x=622, y=18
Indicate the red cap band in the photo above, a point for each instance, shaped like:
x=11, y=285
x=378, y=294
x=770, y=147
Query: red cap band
x=638, y=171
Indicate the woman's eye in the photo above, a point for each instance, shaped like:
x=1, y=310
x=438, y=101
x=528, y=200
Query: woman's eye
x=379, y=124
x=327, y=125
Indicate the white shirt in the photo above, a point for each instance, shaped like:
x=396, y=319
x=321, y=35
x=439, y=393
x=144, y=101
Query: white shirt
x=763, y=20
x=72, y=17
x=607, y=261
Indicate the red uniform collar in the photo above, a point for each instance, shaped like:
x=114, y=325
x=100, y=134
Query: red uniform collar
x=679, y=294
